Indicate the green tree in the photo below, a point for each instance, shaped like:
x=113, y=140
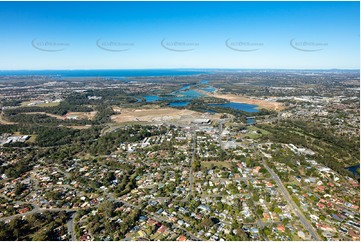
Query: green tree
x=206, y=223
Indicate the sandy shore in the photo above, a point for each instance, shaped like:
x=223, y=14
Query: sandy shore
x=271, y=105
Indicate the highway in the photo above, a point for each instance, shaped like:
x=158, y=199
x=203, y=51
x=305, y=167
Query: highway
x=293, y=205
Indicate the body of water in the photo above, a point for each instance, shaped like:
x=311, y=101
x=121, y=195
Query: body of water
x=184, y=88
x=177, y=96
x=180, y=99
x=203, y=82
x=353, y=169
x=183, y=96
x=250, y=121
x=150, y=99
x=239, y=106
x=138, y=99
x=210, y=111
x=178, y=104
x=209, y=89
x=104, y=73
x=189, y=94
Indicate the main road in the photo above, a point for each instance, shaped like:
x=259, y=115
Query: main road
x=71, y=228
x=220, y=130
x=293, y=205
x=37, y=210
x=194, y=140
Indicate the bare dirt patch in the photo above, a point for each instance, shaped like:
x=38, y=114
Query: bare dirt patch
x=158, y=115
x=82, y=115
x=271, y=105
x=79, y=127
x=70, y=115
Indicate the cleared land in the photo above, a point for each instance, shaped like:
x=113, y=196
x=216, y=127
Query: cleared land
x=30, y=140
x=3, y=121
x=252, y=132
x=70, y=115
x=49, y=114
x=220, y=164
x=276, y=106
x=82, y=115
x=80, y=127
x=159, y=115
x=49, y=104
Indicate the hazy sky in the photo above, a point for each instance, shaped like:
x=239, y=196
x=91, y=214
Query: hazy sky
x=122, y=35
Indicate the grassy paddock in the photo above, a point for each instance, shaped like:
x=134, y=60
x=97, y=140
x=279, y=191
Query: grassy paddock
x=51, y=104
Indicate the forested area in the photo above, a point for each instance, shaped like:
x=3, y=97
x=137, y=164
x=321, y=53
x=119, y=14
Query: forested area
x=114, y=96
x=63, y=108
x=332, y=151
x=49, y=136
x=43, y=119
x=38, y=227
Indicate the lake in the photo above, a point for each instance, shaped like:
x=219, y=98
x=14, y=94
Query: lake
x=180, y=99
x=250, y=121
x=209, y=89
x=238, y=106
x=184, y=93
x=353, y=169
x=178, y=104
x=189, y=94
x=184, y=88
x=150, y=99
x=183, y=96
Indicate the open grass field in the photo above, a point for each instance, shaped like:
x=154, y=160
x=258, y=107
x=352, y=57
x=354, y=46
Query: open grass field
x=82, y=115
x=78, y=115
x=252, y=132
x=79, y=127
x=50, y=104
x=220, y=164
x=32, y=139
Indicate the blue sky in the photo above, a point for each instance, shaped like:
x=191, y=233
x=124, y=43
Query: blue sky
x=128, y=35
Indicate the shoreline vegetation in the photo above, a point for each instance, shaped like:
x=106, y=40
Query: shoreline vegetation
x=275, y=106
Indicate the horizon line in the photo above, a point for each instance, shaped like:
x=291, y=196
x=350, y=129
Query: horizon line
x=185, y=68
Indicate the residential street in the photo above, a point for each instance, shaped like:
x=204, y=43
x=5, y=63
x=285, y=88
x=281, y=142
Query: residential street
x=289, y=199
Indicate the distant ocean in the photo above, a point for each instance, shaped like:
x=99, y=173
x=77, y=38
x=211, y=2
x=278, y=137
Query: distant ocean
x=142, y=72
x=106, y=73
